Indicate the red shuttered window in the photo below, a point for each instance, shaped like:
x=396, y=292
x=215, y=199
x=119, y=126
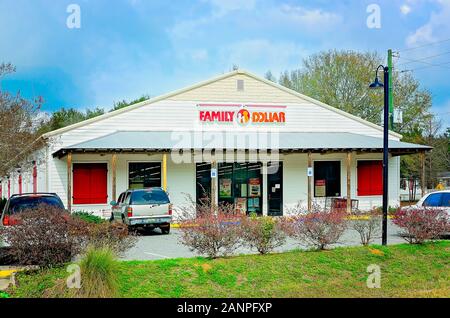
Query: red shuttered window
x=90, y=183
x=370, y=177
x=34, y=178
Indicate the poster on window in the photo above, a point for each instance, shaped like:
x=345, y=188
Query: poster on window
x=225, y=188
x=241, y=205
x=254, y=187
x=320, y=188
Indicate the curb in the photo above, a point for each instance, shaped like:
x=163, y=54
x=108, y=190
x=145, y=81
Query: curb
x=7, y=273
x=351, y=218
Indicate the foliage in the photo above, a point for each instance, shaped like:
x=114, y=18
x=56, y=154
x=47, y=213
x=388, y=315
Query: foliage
x=317, y=228
x=98, y=273
x=407, y=271
x=88, y=217
x=114, y=236
x=19, y=118
x=45, y=236
x=263, y=233
x=421, y=224
x=4, y=294
x=124, y=103
x=68, y=116
x=368, y=226
x=209, y=229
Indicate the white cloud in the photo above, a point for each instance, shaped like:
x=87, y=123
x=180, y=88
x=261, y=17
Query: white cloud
x=437, y=27
x=313, y=19
x=223, y=7
x=405, y=9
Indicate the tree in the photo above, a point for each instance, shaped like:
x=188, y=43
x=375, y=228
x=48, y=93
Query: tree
x=19, y=128
x=124, y=103
x=341, y=79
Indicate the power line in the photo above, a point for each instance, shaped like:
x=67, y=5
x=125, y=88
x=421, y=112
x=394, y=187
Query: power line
x=441, y=65
x=425, y=45
x=421, y=59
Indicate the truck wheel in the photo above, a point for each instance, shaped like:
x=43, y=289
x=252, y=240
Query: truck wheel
x=165, y=230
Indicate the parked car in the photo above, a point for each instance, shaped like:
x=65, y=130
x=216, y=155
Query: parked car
x=149, y=208
x=20, y=202
x=437, y=199
x=17, y=203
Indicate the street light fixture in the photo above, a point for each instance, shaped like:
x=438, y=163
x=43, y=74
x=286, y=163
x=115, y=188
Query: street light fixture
x=377, y=85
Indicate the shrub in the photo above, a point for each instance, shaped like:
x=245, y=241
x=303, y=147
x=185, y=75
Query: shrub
x=368, y=227
x=114, y=236
x=4, y=294
x=263, y=233
x=317, y=228
x=88, y=217
x=98, y=273
x=209, y=229
x=45, y=236
x=421, y=224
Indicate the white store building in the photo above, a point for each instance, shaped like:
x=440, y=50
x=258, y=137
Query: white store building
x=239, y=138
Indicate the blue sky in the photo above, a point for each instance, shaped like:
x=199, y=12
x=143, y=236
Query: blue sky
x=126, y=48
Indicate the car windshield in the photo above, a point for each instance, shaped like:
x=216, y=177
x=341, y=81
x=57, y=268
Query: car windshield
x=20, y=204
x=149, y=196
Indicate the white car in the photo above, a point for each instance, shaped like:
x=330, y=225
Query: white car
x=437, y=199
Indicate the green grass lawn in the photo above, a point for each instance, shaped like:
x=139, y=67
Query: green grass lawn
x=406, y=271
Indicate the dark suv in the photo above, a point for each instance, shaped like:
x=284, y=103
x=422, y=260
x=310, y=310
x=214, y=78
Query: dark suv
x=20, y=202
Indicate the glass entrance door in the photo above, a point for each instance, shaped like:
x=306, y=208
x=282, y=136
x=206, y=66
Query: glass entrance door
x=275, y=188
x=240, y=184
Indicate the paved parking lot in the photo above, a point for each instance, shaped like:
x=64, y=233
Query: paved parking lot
x=154, y=245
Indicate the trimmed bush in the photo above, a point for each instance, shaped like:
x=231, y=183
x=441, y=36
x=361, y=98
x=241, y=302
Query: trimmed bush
x=114, y=236
x=263, y=233
x=421, y=224
x=368, y=227
x=318, y=228
x=45, y=236
x=209, y=229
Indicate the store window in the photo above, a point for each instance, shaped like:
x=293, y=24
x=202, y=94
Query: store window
x=327, y=178
x=370, y=177
x=144, y=175
x=240, y=184
x=203, y=182
x=275, y=188
x=90, y=183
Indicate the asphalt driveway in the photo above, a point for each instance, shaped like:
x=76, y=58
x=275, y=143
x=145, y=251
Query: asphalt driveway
x=154, y=245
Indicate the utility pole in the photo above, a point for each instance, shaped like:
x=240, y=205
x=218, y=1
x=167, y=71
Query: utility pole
x=391, y=93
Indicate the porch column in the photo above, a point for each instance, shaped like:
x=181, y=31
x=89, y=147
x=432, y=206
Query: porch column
x=423, y=186
x=164, y=168
x=265, y=190
x=214, y=182
x=349, y=165
x=114, y=176
x=69, y=182
x=309, y=182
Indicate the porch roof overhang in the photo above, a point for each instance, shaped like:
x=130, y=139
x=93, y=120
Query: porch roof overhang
x=285, y=142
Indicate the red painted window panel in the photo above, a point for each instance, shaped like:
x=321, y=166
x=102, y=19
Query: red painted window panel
x=20, y=184
x=34, y=178
x=90, y=183
x=370, y=177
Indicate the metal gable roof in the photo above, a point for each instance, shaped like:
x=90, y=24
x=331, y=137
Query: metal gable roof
x=123, y=141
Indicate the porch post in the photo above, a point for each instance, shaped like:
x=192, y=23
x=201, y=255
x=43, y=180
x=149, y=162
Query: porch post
x=309, y=182
x=214, y=181
x=164, y=168
x=265, y=190
x=422, y=173
x=114, y=176
x=69, y=182
x=349, y=199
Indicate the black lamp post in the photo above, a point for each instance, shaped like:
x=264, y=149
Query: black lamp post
x=376, y=85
